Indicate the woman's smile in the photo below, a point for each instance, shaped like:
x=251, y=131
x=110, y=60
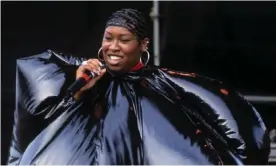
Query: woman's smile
x=114, y=59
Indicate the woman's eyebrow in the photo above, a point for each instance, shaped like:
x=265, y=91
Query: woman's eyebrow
x=122, y=34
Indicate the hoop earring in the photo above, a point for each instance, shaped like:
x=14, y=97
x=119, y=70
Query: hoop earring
x=101, y=59
x=147, y=60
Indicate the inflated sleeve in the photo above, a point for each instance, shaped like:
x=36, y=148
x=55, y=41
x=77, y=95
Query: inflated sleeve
x=229, y=114
x=41, y=82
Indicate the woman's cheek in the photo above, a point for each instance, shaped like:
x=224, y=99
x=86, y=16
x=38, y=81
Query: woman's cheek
x=104, y=49
x=128, y=50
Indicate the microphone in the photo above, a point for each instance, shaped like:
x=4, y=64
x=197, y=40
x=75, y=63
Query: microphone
x=83, y=80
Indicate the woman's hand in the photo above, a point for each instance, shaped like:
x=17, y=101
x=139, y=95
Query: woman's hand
x=94, y=66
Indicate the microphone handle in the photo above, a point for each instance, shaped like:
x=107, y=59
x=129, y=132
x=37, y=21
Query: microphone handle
x=80, y=82
x=76, y=86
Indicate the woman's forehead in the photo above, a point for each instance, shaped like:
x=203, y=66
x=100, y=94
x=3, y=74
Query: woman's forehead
x=117, y=30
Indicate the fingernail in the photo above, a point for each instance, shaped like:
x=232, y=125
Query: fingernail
x=98, y=72
x=84, y=63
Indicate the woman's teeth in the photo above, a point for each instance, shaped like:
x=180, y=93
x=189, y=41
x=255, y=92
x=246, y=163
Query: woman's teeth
x=115, y=57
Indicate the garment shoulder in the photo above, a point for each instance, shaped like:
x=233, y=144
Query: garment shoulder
x=234, y=116
x=43, y=76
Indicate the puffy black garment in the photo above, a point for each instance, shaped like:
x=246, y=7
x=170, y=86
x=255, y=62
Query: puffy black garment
x=150, y=116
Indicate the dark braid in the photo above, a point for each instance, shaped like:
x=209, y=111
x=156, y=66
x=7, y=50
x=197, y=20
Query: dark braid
x=131, y=19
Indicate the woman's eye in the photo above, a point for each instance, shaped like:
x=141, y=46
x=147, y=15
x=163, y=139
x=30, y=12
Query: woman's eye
x=125, y=40
x=107, y=38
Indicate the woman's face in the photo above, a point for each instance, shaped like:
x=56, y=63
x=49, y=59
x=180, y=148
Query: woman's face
x=121, y=49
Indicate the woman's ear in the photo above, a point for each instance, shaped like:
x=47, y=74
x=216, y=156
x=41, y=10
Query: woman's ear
x=144, y=44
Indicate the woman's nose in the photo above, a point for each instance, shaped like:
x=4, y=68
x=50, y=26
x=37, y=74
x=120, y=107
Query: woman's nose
x=114, y=46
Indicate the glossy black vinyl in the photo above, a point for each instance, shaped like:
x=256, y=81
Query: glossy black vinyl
x=152, y=116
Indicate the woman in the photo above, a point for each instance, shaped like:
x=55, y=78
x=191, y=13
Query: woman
x=130, y=113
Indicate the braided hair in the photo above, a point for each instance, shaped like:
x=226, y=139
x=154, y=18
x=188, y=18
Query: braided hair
x=131, y=19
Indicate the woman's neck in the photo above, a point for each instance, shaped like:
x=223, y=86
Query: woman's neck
x=138, y=66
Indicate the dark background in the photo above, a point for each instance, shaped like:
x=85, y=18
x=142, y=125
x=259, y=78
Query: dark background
x=230, y=41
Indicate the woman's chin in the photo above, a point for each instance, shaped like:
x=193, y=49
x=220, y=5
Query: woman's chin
x=116, y=68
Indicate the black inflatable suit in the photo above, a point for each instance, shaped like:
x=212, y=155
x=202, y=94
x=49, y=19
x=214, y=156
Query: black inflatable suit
x=151, y=116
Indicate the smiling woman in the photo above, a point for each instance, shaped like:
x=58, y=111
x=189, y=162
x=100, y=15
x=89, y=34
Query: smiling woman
x=122, y=49
x=130, y=113
x=125, y=39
